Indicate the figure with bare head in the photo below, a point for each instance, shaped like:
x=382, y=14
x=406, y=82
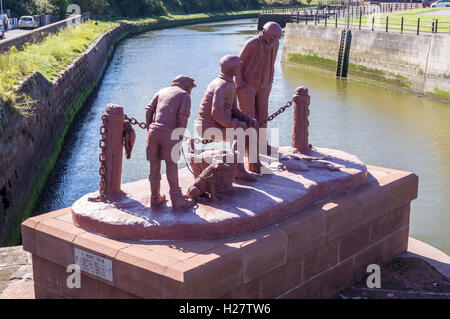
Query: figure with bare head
x=219, y=109
x=254, y=82
x=169, y=110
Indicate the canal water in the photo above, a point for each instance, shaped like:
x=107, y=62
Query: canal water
x=381, y=127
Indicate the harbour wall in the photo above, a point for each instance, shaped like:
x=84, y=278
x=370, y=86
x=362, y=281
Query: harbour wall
x=405, y=62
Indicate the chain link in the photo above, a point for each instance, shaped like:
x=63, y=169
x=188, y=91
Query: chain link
x=197, y=140
x=133, y=121
x=102, y=160
x=142, y=125
x=280, y=110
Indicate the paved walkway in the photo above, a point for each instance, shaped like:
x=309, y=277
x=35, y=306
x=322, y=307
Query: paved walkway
x=15, y=32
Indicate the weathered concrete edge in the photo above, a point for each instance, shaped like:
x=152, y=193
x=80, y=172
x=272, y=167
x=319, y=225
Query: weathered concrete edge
x=26, y=207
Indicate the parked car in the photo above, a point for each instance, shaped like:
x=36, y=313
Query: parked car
x=2, y=29
x=427, y=3
x=28, y=22
x=441, y=4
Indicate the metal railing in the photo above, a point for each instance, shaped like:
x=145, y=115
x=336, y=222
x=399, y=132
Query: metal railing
x=342, y=5
x=370, y=17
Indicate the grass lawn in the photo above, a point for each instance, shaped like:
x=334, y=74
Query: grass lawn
x=410, y=21
x=48, y=56
x=176, y=17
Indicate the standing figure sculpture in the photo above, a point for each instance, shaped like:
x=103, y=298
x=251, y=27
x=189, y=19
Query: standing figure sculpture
x=169, y=110
x=254, y=83
x=218, y=109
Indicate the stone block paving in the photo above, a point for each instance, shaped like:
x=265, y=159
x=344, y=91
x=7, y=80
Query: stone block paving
x=16, y=274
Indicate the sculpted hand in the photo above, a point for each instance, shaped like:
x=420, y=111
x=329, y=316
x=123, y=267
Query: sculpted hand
x=241, y=124
x=252, y=122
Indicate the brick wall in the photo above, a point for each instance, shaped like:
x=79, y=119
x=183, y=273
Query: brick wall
x=28, y=143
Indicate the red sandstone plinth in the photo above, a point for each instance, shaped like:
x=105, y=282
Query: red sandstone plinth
x=311, y=254
x=248, y=207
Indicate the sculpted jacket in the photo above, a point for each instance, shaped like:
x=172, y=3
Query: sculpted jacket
x=258, y=59
x=170, y=107
x=219, y=104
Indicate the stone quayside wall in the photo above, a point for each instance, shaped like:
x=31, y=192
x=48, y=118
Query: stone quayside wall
x=406, y=62
x=29, y=146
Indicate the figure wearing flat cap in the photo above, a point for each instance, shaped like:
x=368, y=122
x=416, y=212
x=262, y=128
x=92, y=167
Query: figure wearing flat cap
x=169, y=109
x=254, y=83
x=219, y=108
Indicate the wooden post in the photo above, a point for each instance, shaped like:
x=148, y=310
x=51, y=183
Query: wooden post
x=300, y=121
x=387, y=23
x=401, y=27
x=114, y=123
x=373, y=22
x=418, y=25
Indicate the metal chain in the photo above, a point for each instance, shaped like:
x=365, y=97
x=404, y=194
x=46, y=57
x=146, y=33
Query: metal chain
x=142, y=125
x=102, y=159
x=133, y=121
x=280, y=110
x=197, y=140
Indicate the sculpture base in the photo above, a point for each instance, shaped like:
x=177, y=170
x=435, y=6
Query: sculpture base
x=312, y=254
x=248, y=207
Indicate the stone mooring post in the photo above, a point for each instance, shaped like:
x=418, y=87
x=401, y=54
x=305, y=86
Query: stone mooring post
x=300, y=120
x=114, y=126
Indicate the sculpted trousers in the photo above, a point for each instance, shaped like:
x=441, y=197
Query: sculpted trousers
x=254, y=101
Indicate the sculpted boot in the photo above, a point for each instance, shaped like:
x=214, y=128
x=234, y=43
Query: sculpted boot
x=241, y=174
x=253, y=167
x=156, y=199
x=179, y=202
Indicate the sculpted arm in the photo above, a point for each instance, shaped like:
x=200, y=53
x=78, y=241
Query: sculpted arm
x=218, y=110
x=184, y=112
x=236, y=113
x=150, y=110
x=244, y=56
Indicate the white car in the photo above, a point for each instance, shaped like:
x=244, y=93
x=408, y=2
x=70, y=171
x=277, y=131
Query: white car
x=441, y=4
x=28, y=22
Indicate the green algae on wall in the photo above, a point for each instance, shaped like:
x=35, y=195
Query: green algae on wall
x=356, y=72
x=440, y=94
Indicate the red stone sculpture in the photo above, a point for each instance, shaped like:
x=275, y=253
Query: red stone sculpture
x=219, y=109
x=114, y=119
x=254, y=83
x=168, y=110
x=300, y=121
x=205, y=183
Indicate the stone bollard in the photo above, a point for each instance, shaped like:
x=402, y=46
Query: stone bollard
x=114, y=125
x=300, y=121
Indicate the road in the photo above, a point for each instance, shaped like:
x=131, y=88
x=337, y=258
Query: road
x=15, y=32
x=443, y=12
